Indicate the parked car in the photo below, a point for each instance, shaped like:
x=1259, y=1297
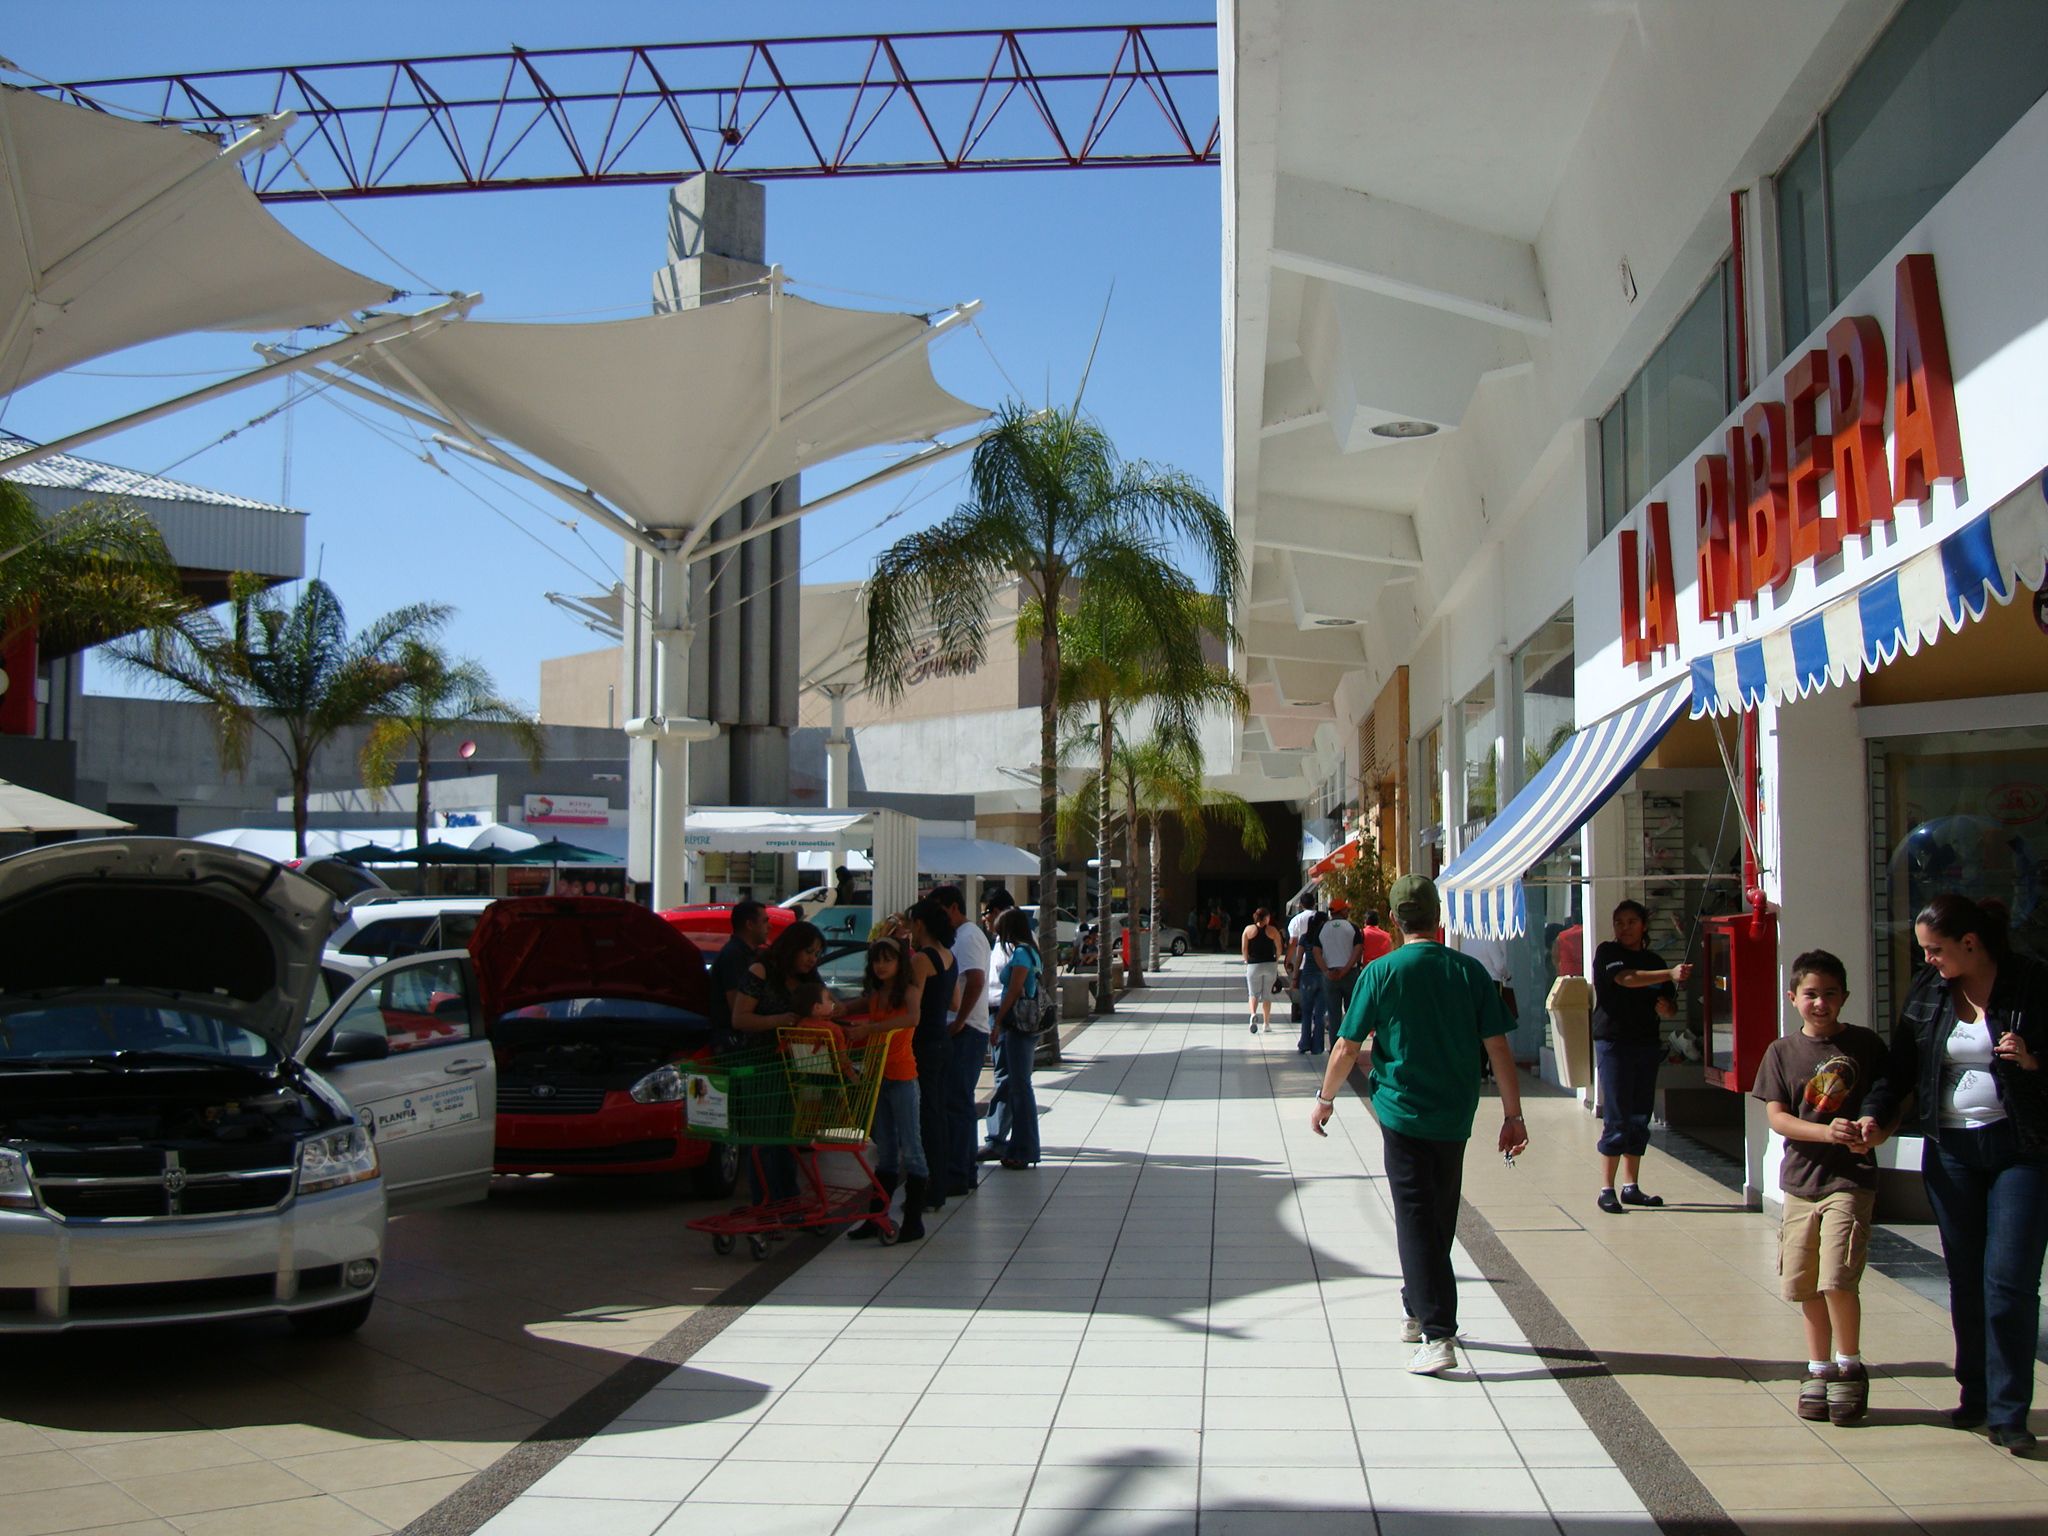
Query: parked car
x=378, y=928
x=593, y=1006
x=176, y=1141
x=1170, y=940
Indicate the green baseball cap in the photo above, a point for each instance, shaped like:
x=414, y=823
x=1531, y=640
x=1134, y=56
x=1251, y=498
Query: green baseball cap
x=1415, y=901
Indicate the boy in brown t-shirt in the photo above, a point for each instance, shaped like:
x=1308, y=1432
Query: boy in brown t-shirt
x=1814, y=1084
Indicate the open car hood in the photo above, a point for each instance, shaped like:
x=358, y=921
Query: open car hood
x=167, y=922
x=546, y=949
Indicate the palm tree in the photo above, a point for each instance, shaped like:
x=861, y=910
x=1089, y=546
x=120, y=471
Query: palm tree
x=1158, y=778
x=1114, y=661
x=1052, y=507
x=293, y=675
x=437, y=693
x=98, y=571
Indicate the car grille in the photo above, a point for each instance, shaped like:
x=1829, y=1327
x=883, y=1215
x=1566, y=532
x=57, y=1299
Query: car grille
x=563, y=1157
x=548, y=1099
x=132, y=1183
x=172, y=1293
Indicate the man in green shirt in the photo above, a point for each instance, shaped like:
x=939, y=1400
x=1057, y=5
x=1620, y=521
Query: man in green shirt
x=1425, y=1008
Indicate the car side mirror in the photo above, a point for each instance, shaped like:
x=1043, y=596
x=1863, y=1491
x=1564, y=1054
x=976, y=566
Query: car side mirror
x=356, y=1045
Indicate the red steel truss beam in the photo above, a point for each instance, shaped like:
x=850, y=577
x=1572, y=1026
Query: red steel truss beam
x=871, y=104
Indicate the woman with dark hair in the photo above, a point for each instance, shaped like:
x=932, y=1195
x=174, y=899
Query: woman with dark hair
x=1261, y=944
x=893, y=986
x=1017, y=969
x=1633, y=990
x=1965, y=1073
x=778, y=990
x=931, y=940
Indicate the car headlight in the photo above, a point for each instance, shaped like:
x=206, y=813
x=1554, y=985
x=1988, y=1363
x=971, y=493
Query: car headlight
x=346, y=1156
x=664, y=1085
x=16, y=1193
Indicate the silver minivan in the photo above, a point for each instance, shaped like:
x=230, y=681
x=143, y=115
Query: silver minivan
x=189, y=1127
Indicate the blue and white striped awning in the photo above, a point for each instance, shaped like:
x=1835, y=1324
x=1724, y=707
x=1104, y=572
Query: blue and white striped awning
x=1940, y=588
x=1482, y=890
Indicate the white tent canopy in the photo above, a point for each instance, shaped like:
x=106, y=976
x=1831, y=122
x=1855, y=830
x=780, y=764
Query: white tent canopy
x=746, y=830
x=114, y=233
x=937, y=855
x=30, y=810
x=324, y=842
x=672, y=418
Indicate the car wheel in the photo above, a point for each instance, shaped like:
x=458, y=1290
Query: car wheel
x=333, y=1322
x=1180, y=946
x=715, y=1177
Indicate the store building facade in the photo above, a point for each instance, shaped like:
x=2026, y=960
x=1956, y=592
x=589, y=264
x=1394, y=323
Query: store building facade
x=1736, y=257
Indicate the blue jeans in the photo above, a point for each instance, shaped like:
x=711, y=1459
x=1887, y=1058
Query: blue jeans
x=963, y=1076
x=1628, y=1092
x=1315, y=1010
x=899, y=1140
x=1990, y=1200
x=1015, y=1099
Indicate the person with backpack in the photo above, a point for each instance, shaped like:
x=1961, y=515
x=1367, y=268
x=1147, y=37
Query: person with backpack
x=1017, y=968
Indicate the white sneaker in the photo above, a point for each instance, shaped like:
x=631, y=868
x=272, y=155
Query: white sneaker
x=1434, y=1356
x=1411, y=1330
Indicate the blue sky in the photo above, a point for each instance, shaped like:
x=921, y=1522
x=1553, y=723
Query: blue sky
x=1040, y=250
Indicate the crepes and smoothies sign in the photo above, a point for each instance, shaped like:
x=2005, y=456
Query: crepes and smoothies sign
x=1758, y=508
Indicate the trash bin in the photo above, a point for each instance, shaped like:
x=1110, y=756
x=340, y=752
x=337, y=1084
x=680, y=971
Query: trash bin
x=1571, y=1029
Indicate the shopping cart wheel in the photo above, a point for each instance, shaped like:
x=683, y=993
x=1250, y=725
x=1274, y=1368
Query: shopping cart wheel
x=721, y=1243
x=758, y=1247
x=887, y=1232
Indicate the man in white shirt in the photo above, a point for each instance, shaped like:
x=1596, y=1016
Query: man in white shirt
x=968, y=1021
x=1313, y=997
x=1337, y=947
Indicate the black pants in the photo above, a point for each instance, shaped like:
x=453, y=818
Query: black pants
x=1424, y=1181
x=933, y=1051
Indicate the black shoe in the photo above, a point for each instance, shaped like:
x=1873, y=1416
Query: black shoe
x=863, y=1232
x=2018, y=1439
x=1609, y=1203
x=990, y=1152
x=912, y=1226
x=1630, y=1195
x=1966, y=1416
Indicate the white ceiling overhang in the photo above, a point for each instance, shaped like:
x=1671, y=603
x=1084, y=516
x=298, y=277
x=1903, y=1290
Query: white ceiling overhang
x=1388, y=181
x=115, y=233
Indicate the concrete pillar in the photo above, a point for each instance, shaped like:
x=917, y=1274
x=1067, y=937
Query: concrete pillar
x=838, y=749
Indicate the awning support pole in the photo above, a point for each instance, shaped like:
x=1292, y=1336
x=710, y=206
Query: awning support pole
x=1745, y=812
x=347, y=346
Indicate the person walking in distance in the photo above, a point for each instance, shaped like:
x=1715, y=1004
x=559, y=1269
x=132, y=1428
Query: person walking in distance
x=1632, y=990
x=893, y=986
x=1260, y=945
x=931, y=937
x=1424, y=1009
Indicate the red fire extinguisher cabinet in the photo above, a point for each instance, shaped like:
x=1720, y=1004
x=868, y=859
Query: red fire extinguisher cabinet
x=1741, y=996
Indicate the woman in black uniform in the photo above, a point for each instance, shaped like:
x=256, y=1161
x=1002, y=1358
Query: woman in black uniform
x=1632, y=990
x=931, y=935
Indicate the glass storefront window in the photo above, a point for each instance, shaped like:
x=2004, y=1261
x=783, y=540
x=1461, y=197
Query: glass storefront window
x=1674, y=402
x=1544, y=673
x=1551, y=944
x=1479, y=757
x=1962, y=811
x=1431, y=769
x=1943, y=84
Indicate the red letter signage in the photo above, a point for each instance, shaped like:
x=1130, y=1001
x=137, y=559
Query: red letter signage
x=1806, y=384
x=1765, y=512
x=1856, y=373
x=1631, y=600
x=1660, y=598
x=1716, y=536
x=1930, y=444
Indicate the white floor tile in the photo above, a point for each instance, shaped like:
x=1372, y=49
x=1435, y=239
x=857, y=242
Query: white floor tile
x=1100, y=1488
x=776, y=1483
x=578, y=1517
x=1495, y=1490
x=946, y=1486
x=622, y=1477
x=1284, y=1488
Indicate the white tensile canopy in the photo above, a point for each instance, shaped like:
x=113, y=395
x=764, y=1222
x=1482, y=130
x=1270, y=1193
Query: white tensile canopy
x=114, y=233
x=29, y=810
x=672, y=418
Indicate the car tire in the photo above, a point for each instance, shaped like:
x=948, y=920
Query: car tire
x=715, y=1178
x=1180, y=946
x=333, y=1322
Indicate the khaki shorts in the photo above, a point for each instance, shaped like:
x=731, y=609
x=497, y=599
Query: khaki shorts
x=1822, y=1243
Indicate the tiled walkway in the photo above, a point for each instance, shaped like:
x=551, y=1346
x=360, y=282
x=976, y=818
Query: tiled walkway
x=1187, y=1313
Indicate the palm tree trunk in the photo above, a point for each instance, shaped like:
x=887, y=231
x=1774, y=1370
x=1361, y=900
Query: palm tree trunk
x=1140, y=940
x=302, y=792
x=1152, y=875
x=1048, y=1048
x=420, y=809
x=1105, y=958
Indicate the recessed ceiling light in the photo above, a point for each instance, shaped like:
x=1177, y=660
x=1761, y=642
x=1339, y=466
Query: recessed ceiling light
x=1405, y=429
x=1336, y=623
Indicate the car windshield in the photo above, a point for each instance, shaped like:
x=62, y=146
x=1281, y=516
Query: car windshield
x=73, y=1031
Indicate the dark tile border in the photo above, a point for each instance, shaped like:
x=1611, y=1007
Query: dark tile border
x=1676, y=1499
